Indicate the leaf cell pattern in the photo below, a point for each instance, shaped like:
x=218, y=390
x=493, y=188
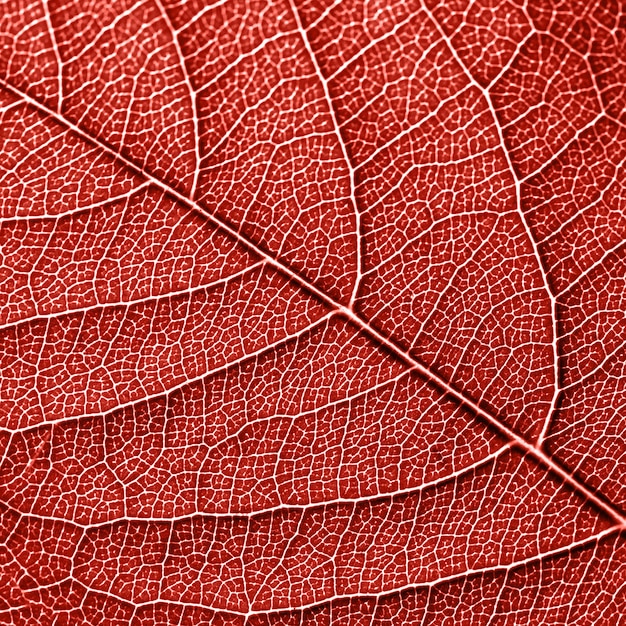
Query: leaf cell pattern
x=312, y=312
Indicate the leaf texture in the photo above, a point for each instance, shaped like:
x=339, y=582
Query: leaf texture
x=312, y=312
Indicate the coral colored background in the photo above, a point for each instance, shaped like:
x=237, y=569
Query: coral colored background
x=312, y=312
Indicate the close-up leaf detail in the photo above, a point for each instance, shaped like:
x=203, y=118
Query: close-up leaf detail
x=312, y=312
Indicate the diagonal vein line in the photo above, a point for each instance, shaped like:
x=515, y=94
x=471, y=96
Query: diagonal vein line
x=278, y=508
x=342, y=144
x=597, y=538
x=192, y=94
x=507, y=567
x=347, y=312
x=518, y=202
x=57, y=55
x=165, y=393
x=132, y=302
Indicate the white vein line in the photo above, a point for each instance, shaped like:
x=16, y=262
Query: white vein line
x=189, y=291
x=566, y=146
x=325, y=13
x=347, y=312
x=531, y=239
x=26, y=157
x=7, y=108
x=342, y=145
x=382, y=92
x=594, y=266
x=398, y=493
x=410, y=130
x=107, y=28
x=245, y=56
x=198, y=16
x=427, y=232
x=392, y=32
x=408, y=172
x=57, y=54
x=225, y=137
x=79, y=209
x=514, y=54
x=449, y=285
x=429, y=584
x=189, y=381
x=348, y=399
x=581, y=210
x=528, y=447
x=598, y=368
x=192, y=95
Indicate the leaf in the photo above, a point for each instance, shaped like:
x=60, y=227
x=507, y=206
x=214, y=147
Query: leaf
x=312, y=312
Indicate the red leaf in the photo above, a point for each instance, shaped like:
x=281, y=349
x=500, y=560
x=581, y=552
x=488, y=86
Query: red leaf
x=312, y=312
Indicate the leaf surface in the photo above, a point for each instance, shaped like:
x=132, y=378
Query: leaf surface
x=312, y=312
